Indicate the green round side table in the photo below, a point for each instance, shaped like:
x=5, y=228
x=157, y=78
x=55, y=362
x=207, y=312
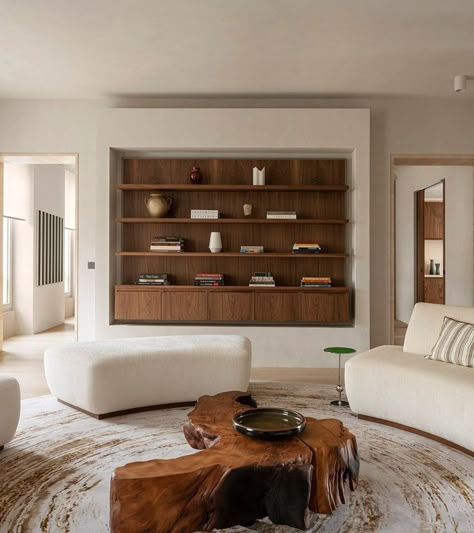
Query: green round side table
x=340, y=389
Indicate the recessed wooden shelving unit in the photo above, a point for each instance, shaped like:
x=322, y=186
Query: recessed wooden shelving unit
x=314, y=188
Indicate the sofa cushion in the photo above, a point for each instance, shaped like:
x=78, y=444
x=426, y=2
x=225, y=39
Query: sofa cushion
x=426, y=322
x=455, y=344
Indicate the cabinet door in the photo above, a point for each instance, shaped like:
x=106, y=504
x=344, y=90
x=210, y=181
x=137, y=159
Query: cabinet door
x=434, y=290
x=230, y=306
x=184, y=305
x=321, y=307
x=137, y=305
x=277, y=307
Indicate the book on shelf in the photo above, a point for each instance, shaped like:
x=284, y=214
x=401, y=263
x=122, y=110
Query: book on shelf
x=247, y=249
x=262, y=279
x=153, y=279
x=320, y=282
x=281, y=215
x=166, y=244
x=306, y=248
x=204, y=213
x=209, y=280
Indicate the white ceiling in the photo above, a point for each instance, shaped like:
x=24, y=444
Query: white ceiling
x=339, y=48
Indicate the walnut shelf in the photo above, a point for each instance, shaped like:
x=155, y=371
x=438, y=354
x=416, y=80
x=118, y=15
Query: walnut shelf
x=230, y=188
x=314, y=188
x=149, y=220
x=233, y=254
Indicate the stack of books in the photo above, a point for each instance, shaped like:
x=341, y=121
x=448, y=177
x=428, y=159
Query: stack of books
x=281, y=214
x=166, y=244
x=153, y=279
x=246, y=249
x=204, y=213
x=316, y=281
x=306, y=248
x=209, y=280
x=262, y=279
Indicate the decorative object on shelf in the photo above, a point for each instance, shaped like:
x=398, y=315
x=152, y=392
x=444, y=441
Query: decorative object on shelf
x=340, y=389
x=166, y=244
x=247, y=209
x=158, y=205
x=209, y=280
x=281, y=214
x=269, y=423
x=306, y=248
x=215, y=242
x=205, y=213
x=258, y=176
x=262, y=279
x=250, y=249
x=432, y=267
x=437, y=269
x=195, y=175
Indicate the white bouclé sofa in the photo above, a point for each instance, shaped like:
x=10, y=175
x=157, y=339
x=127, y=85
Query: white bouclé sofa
x=111, y=377
x=9, y=408
x=398, y=385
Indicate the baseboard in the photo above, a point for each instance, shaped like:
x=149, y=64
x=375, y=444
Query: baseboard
x=417, y=432
x=129, y=411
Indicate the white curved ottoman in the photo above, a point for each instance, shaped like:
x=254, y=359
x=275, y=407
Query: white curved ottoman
x=112, y=377
x=9, y=408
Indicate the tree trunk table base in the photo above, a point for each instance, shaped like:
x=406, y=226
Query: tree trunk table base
x=235, y=479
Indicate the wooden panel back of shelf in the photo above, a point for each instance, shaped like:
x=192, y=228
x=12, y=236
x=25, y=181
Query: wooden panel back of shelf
x=235, y=170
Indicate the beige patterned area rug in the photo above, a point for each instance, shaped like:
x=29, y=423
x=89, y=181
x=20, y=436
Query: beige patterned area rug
x=55, y=474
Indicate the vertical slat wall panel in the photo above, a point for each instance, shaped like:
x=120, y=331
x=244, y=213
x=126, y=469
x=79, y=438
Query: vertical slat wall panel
x=50, y=248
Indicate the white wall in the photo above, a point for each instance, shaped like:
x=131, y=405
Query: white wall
x=418, y=126
x=459, y=236
x=242, y=131
x=19, y=181
x=48, y=196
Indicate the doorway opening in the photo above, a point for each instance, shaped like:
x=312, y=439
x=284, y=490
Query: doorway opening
x=39, y=265
x=432, y=234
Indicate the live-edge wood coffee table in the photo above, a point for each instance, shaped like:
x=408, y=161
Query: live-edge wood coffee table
x=235, y=479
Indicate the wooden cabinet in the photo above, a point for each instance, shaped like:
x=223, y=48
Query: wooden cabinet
x=434, y=220
x=227, y=305
x=314, y=188
x=230, y=306
x=184, y=305
x=137, y=304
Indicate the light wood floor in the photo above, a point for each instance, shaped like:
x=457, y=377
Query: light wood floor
x=23, y=358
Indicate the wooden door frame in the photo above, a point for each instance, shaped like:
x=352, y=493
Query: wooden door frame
x=396, y=160
x=3, y=155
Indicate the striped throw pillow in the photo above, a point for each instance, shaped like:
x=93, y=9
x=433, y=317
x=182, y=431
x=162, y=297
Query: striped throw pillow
x=455, y=343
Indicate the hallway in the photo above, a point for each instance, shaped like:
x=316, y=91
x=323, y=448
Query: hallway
x=22, y=357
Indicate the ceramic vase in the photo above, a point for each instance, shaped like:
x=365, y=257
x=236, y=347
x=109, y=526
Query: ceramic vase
x=196, y=175
x=437, y=271
x=158, y=205
x=215, y=242
x=432, y=267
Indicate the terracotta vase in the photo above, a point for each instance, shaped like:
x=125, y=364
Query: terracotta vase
x=196, y=175
x=158, y=205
